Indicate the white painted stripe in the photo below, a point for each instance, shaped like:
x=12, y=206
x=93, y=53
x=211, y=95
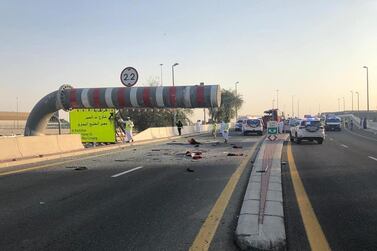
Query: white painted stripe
x=85, y=98
x=128, y=171
x=159, y=96
x=133, y=97
x=213, y=96
x=344, y=146
x=186, y=97
x=108, y=98
x=373, y=158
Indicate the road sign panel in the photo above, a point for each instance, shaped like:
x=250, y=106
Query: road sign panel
x=129, y=76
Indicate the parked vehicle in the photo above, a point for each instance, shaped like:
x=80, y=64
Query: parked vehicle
x=308, y=129
x=253, y=125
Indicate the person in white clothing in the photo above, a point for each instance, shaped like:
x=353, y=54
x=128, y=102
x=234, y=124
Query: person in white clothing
x=225, y=131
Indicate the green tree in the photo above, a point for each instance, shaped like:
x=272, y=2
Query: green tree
x=229, y=102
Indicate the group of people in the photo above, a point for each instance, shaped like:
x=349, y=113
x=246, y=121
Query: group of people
x=224, y=129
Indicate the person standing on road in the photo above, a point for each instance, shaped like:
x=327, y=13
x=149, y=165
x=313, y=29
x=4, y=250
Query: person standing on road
x=351, y=124
x=214, y=129
x=179, y=127
x=129, y=125
x=225, y=131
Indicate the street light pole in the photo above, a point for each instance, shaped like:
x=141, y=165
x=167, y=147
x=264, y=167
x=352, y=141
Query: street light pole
x=161, y=74
x=352, y=100
x=339, y=104
x=236, y=84
x=17, y=111
x=366, y=67
x=298, y=108
x=273, y=103
x=277, y=99
x=172, y=71
x=293, y=112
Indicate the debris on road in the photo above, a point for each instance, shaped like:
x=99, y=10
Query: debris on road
x=156, y=150
x=188, y=169
x=120, y=160
x=234, y=154
x=192, y=141
x=79, y=168
x=194, y=155
x=237, y=147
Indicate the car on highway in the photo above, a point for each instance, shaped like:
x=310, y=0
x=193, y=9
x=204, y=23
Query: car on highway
x=333, y=123
x=253, y=125
x=238, y=125
x=308, y=129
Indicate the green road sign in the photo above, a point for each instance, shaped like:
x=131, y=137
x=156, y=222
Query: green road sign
x=94, y=125
x=273, y=130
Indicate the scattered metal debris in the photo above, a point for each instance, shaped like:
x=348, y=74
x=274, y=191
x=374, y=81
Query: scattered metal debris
x=192, y=141
x=80, y=168
x=237, y=147
x=234, y=154
x=188, y=169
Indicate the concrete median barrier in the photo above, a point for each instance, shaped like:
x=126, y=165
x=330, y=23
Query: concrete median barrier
x=69, y=142
x=9, y=149
x=261, y=221
x=15, y=148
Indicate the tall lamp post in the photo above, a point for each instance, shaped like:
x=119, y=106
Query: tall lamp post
x=358, y=107
x=352, y=100
x=344, y=104
x=339, y=104
x=161, y=74
x=236, y=84
x=277, y=99
x=293, y=112
x=366, y=67
x=172, y=71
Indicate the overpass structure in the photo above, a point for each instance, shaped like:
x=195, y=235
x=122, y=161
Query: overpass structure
x=67, y=98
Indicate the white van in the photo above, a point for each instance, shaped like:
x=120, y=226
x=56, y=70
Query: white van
x=252, y=125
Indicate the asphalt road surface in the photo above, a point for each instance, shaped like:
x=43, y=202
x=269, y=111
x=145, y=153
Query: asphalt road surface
x=140, y=198
x=340, y=180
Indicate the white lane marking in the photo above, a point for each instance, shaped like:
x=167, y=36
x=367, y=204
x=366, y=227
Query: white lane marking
x=128, y=171
x=344, y=146
x=373, y=158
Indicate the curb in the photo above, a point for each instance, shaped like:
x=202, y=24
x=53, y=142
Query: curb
x=261, y=221
x=90, y=151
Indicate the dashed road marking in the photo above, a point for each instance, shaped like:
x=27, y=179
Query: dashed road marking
x=373, y=158
x=342, y=145
x=316, y=237
x=128, y=171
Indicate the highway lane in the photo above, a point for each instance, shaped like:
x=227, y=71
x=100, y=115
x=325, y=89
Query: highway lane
x=340, y=181
x=142, y=198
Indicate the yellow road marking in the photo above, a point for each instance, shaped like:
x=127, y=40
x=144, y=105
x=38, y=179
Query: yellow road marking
x=57, y=163
x=204, y=238
x=317, y=239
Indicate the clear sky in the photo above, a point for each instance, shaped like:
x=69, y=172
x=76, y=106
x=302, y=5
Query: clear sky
x=313, y=50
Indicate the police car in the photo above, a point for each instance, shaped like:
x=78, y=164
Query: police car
x=308, y=129
x=253, y=125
